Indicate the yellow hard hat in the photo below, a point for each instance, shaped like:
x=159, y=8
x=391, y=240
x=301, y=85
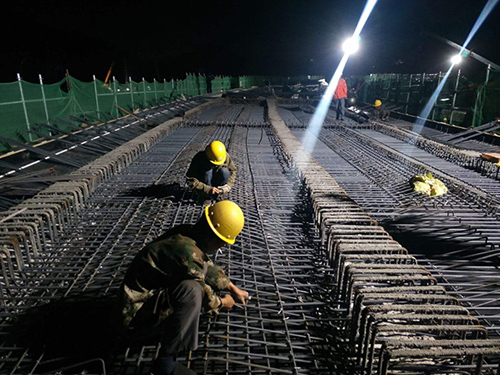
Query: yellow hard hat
x=378, y=103
x=216, y=152
x=226, y=220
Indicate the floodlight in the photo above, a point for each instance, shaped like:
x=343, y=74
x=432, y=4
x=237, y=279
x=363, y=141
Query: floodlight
x=351, y=45
x=457, y=59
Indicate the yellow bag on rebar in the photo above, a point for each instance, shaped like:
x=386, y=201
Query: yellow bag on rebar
x=427, y=184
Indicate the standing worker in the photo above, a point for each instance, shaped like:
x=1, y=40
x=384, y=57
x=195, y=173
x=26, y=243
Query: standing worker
x=209, y=78
x=170, y=281
x=339, y=98
x=379, y=112
x=212, y=172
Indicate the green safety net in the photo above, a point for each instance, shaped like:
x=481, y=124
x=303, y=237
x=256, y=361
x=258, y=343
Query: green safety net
x=409, y=93
x=487, y=106
x=25, y=106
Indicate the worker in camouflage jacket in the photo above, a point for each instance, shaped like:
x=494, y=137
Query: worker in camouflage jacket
x=211, y=172
x=172, y=280
x=379, y=112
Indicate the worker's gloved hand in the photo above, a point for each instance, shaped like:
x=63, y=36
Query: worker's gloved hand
x=224, y=189
x=215, y=190
x=227, y=301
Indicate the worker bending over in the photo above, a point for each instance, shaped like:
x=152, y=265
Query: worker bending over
x=172, y=279
x=379, y=112
x=211, y=172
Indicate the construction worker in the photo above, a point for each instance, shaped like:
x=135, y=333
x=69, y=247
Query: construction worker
x=379, y=112
x=211, y=172
x=172, y=279
x=339, y=98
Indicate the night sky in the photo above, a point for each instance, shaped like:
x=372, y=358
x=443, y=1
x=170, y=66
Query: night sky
x=167, y=39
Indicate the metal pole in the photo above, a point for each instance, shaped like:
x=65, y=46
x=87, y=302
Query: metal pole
x=24, y=106
x=144, y=87
x=96, y=99
x=488, y=69
x=454, y=97
x=408, y=95
x=115, y=94
x=422, y=89
x=131, y=92
x=44, y=99
x=154, y=85
x=477, y=119
x=388, y=94
x=434, y=106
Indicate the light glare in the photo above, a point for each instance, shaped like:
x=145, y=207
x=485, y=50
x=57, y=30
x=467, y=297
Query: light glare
x=351, y=45
x=457, y=59
x=311, y=134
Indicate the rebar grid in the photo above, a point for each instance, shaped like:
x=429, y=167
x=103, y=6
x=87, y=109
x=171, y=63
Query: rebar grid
x=391, y=282
x=475, y=236
x=282, y=328
x=276, y=331
x=294, y=324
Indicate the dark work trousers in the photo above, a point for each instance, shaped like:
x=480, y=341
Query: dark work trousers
x=218, y=178
x=181, y=328
x=339, y=105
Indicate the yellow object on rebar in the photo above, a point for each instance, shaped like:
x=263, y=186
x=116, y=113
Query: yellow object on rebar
x=427, y=184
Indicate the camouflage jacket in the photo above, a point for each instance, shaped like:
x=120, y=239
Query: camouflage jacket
x=160, y=265
x=380, y=112
x=200, y=165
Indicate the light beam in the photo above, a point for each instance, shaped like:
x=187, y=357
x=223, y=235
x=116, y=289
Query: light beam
x=456, y=59
x=311, y=134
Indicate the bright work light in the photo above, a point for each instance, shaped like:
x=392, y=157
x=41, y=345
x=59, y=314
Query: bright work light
x=457, y=59
x=351, y=45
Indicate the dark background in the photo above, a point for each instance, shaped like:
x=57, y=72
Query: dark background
x=168, y=39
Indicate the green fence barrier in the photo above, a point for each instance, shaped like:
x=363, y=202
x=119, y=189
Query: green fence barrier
x=24, y=105
x=487, y=106
x=460, y=102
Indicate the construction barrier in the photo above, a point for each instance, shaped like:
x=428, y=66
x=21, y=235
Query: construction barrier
x=23, y=104
x=461, y=101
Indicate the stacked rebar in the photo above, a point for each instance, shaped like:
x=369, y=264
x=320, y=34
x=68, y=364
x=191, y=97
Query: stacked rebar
x=27, y=228
x=401, y=321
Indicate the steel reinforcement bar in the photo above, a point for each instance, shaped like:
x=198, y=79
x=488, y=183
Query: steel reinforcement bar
x=29, y=226
x=374, y=270
x=296, y=318
x=286, y=326
x=465, y=158
x=455, y=235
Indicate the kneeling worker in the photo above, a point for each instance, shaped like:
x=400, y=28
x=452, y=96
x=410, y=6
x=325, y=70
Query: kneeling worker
x=170, y=281
x=212, y=172
x=379, y=112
